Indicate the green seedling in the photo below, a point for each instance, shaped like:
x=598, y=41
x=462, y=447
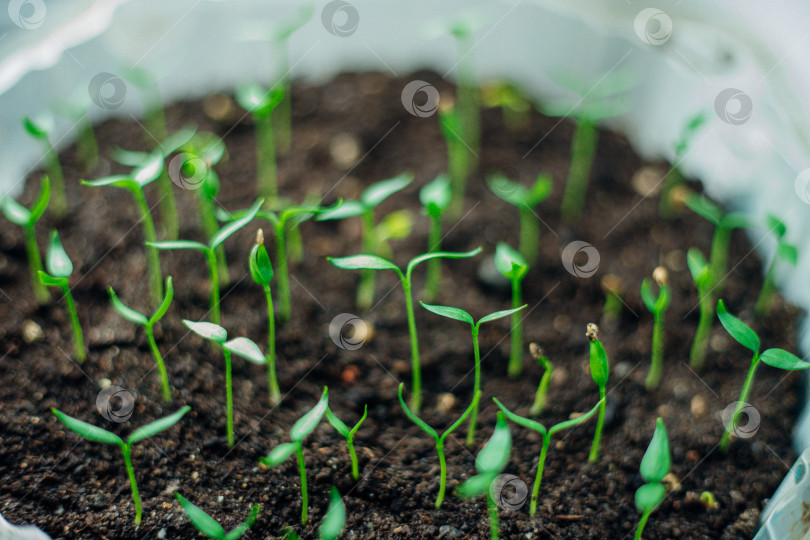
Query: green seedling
x=435, y=197
x=373, y=263
x=100, y=435
x=260, y=103
x=539, y=404
x=708, y=501
x=614, y=289
x=303, y=427
x=261, y=270
x=146, y=172
x=515, y=108
x=371, y=197
x=463, y=316
x=654, y=467
x=209, y=527
x=458, y=166
x=784, y=251
x=778, y=358
x=658, y=307
x=547, y=434
x=701, y=275
x=525, y=199
x=210, y=251
x=333, y=521
x=59, y=269
x=148, y=324
x=27, y=219
x=489, y=463
x=513, y=267
x=667, y=205
x=240, y=346
x=600, y=370
x=348, y=433
x=41, y=129
x=439, y=439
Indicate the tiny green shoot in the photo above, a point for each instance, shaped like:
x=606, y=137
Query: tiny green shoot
x=614, y=289
x=600, y=370
x=27, y=219
x=100, y=435
x=148, y=324
x=370, y=198
x=654, y=467
x=458, y=162
x=675, y=177
x=210, y=251
x=546, y=433
x=261, y=270
x=525, y=199
x=348, y=433
x=515, y=108
x=463, y=316
x=439, y=439
x=701, y=275
x=778, y=358
x=658, y=307
x=373, y=263
x=260, y=103
x=435, y=197
x=335, y=519
x=539, y=404
x=784, y=251
x=59, y=269
x=513, y=267
x=41, y=128
x=303, y=427
x=209, y=527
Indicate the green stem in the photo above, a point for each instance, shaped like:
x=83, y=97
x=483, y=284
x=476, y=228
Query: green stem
x=542, y=388
x=476, y=387
x=295, y=245
x=164, y=376
x=657, y=360
x=168, y=206
x=644, y=517
x=613, y=306
x=302, y=471
x=365, y=289
x=78, y=339
x=266, y=159
x=212, y=268
x=766, y=294
x=35, y=265
x=493, y=517
x=698, y=353
x=283, y=112
x=597, y=436
x=210, y=226
x=718, y=263
x=746, y=389
x=529, y=235
x=468, y=103
x=416, y=368
x=353, y=457
x=283, y=273
x=583, y=150
x=442, y=474
x=152, y=256
x=272, y=382
x=516, y=354
x=58, y=205
x=125, y=449
x=434, y=269
x=539, y=477
x=228, y=395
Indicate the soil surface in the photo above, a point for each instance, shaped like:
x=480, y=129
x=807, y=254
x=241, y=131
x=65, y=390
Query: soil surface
x=346, y=135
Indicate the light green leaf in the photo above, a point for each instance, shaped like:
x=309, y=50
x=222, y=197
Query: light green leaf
x=43, y=199
x=337, y=423
x=704, y=208
x=568, y=424
x=698, y=266
x=126, y=312
x=247, y=349
x=475, y=485
x=348, y=209
x=540, y=191
x=788, y=252
x=394, y=226
x=499, y=314
x=780, y=358
x=776, y=226
x=258, y=101
x=495, y=454
x=519, y=420
x=50, y=281
x=379, y=191
x=656, y=461
x=235, y=225
x=208, y=330
x=293, y=211
x=261, y=269
x=650, y=496
x=39, y=127
x=129, y=158
x=88, y=431
x=178, y=244
x=509, y=262
x=279, y=454
x=735, y=220
x=167, y=301
x=197, y=516
x=363, y=262
x=177, y=139
x=153, y=428
x=600, y=367
x=15, y=212
x=647, y=295
x=435, y=196
x=439, y=254
x=737, y=329
x=123, y=181
x=449, y=312
x=307, y=423
x=56, y=259
x=360, y=422
x=415, y=419
x=150, y=169
x=335, y=518
x=240, y=530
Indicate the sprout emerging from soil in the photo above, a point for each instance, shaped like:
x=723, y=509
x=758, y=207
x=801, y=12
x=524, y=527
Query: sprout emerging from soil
x=658, y=307
x=701, y=275
x=784, y=251
x=513, y=267
x=209, y=526
x=27, y=219
x=490, y=462
x=778, y=358
x=371, y=197
x=542, y=388
x=614, y=288
x=525, y=199
x=59, y=269
x=435, y=197
x=134, y=317
x=261, y=270
x=40, y=129
x=654, y=467
x=372, y=263
x=546, y=433
x=463, y=316
x=303, y=427
x=515, y=108
x=458, y=162
x=348, y=433
x=97, y=434
x=600, y=370
x=210, y=251
x=333, y=521
x=439, y=439
x=261, y=103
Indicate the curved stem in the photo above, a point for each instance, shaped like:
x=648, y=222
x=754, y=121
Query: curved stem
x=125, y=449
x=272, y=382
x=35, y=265
x=746, y=389
x=365, y=290
x=644, y=517
x=299, y=450
x=416, y=368
x=152, y=256
x=698, y=353
x=539, y=477
x=442, y=474
x=353, y=457
x=164, y=376
x=283, y=273
x=493, y=517
x=476, y=387
x=718, y=262
x=516, y=354
x=542, y=388
x=78, y=338
x=597, y=437
x=228, y=395
x=214, y=301
x=657, y=360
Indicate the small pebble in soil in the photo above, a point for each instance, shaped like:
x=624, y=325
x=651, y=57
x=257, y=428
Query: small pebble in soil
x=675, y=260
x=681, y=391
x=161, y=534
x=32, y=332
x=344, y=149
x=219, y=107
x=647, y=180
x=448, y=531
x=719, y=342
x=698, y=406
x=104, y=383
x=445, y=403
x=562, y=324
x=622, y=369
x=349, y=374
x=489, y=276
x=693, y=456
x=672, y=483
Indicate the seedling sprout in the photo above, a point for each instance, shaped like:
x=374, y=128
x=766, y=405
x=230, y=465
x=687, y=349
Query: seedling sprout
x=701, y=275
x=261, y=270
x=97, y=434
x=27, y=219
x=303, y=427
x=260, y=103
x=348, y=433
x=515, y=108
x=654, y=467
x=463, y=316
x=675, y=176
x=458, y=162
x=600, y=370
x=372, y=263
x=59, y=269
x=784, y=251
x=614, y=289
x=435, y=197
x=542, y=388
x=658, y=307
x=134, y=317
x=40, y=128
x=513, y=267
x=333, y=521
x=525, y=199
x=209, y=527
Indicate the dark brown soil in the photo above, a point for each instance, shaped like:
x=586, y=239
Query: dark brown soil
x=73, y=488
